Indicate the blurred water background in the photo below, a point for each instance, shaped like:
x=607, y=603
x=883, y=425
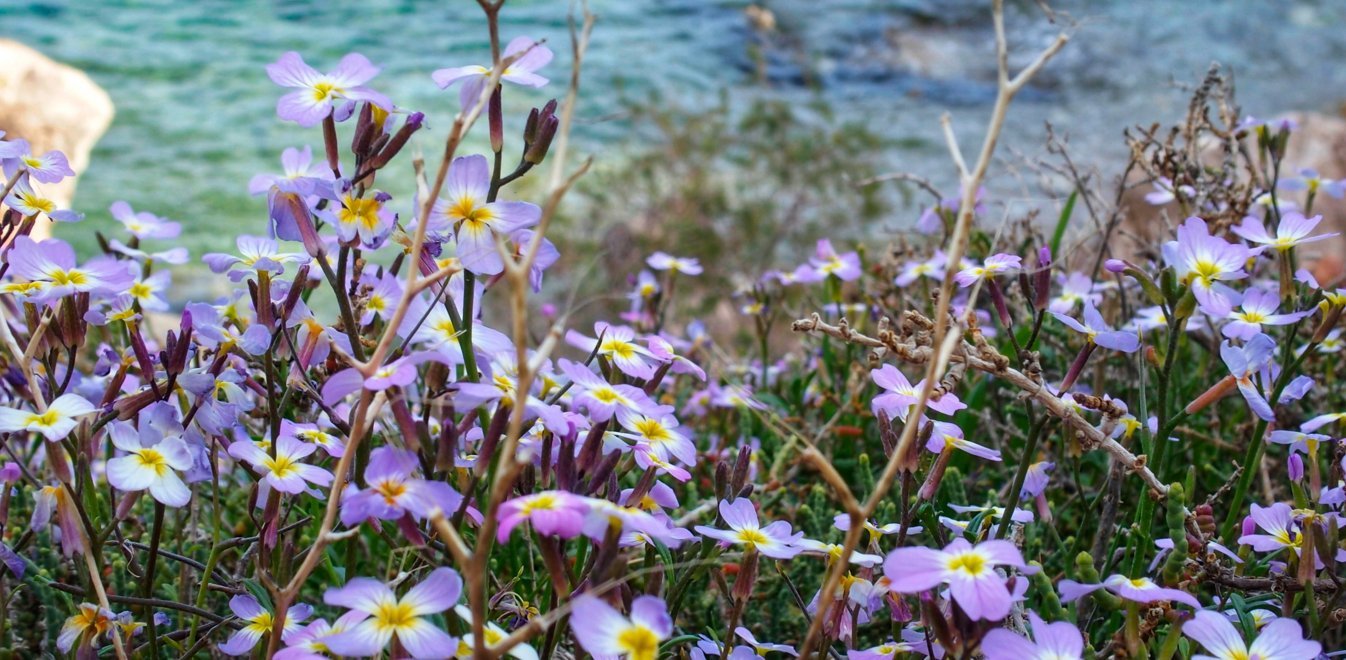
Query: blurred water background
x=195, y=110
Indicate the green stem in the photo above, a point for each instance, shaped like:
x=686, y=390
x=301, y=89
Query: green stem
x=147, y=588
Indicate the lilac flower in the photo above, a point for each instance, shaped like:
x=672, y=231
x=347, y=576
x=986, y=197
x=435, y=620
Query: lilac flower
x=1204, y=261
x=257, y=254
x=1293, y=231
x=1258, y=308
x=310, y=642
x=393, y=492
x=1278, y=526
x=1165, y=192
x=996, y=264
x=29, y=203
x=617, y=344
x=143, y=225
x=316, y=93
x=478, y=222
x=761, y=648
x=54, y=501
x=1097, y=331
x=551, y=513
x=52, y=264
x=285, y=471
x=1050, y=641
x=1281, y=639
x=493, y=634
x=601, y=399
x=968, y=570
x=900, y=395
x=55, y=423
x=257, y=622
x=439, y=333
x=1139, y=590
x=502, y=388
x=151, y=462
x=1244, y=363
x=948, y=437
x=381, y=297
x=299, y=175
x=520, y=72
x=389, y=617
x=932, y=268
x=50, y=167
x=362, y=217
x=1075, y=289
x=827, y=261
x=774, y=540
x=605, y=633
x=665, y=261
x=661, y=434
x=332, y=444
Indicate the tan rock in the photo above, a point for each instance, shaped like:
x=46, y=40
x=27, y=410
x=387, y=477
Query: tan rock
x=53, y=106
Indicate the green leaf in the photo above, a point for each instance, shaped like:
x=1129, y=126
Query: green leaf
x=1062, y=222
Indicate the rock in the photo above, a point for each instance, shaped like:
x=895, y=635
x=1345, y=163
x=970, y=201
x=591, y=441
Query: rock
x=53, y=106
x=1319, y=143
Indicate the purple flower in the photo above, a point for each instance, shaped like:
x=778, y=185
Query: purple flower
x=387, y=617
x=29, y=203
x=142, y=224
x=827, y=261
x=1075, y=288
x=948, y=437
x=660, y=433
x=151, y=462
x=665, y=261
x=52, y=264
x=1278, y=526
x=605, y=633
x=393, y=492
x=551, y=512
x=316, y=93
x=1292, y=232
x=1050, y=641
x=257, y=622
x=617, y=343
x=601, y=399
x=996, y=264
x=521, y=72
x=932, y=268
x=968, y=570
x=256, y=254
x=55, y=423
x=285, y=471
x=1244, y=363
x=1139, y=590
x=1097, y=331
x=1165, y=192
x=310, y=642
x=439, y=333
x=900, y=395
x=774, y=540
x=479, y=222
x=50, y=167
x=299, y=175
x=1281, y=639
x=1204, y=260
x=1258, y=308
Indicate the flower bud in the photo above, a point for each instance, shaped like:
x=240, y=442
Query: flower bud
x=1295, y=466
x=495, y=118
x=1042, y=280
x=292, y=221
x=413, y=123
x=546, y=131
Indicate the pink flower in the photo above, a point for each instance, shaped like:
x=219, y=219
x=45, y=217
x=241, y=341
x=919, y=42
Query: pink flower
x=968, y=570
x=1050, y=641
x=664, y=261
x=900, y=395
x=606, y=633
x=996, y=264
x=774, y=540
x=1281, y=639
x=521, y=72
x=1140, y=590
x=385, y=616
x=551, y=512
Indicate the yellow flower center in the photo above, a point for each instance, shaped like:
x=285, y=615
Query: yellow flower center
x=618, y=348
x=639, y=643
x=752, y=537
x=607, y=395
x=40, y=203
x=69, y=278
x=44, y=420
x=363, y=211
x=971, y=563
x=653, y=431
x=140, y=290
x=152, y=459
x=281, y=466
x=325, y=90
x=261, y=623
x=539, y=503
x=391, y=490
x=393, y=616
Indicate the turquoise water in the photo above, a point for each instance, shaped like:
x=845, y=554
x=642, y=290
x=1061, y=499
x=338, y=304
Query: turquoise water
x=195, y=110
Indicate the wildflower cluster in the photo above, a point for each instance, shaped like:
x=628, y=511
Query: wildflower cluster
x=375, y=446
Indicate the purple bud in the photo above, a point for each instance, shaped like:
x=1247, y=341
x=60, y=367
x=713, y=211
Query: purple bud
x=413, y=123
x=1249, y=526
x=495, y=118
x=545, y=133
x=1115, y=265
x=1296, y=467
x=1042, y=279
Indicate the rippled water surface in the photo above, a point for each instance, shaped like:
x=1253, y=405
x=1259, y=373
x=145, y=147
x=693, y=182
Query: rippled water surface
x=195, y=112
